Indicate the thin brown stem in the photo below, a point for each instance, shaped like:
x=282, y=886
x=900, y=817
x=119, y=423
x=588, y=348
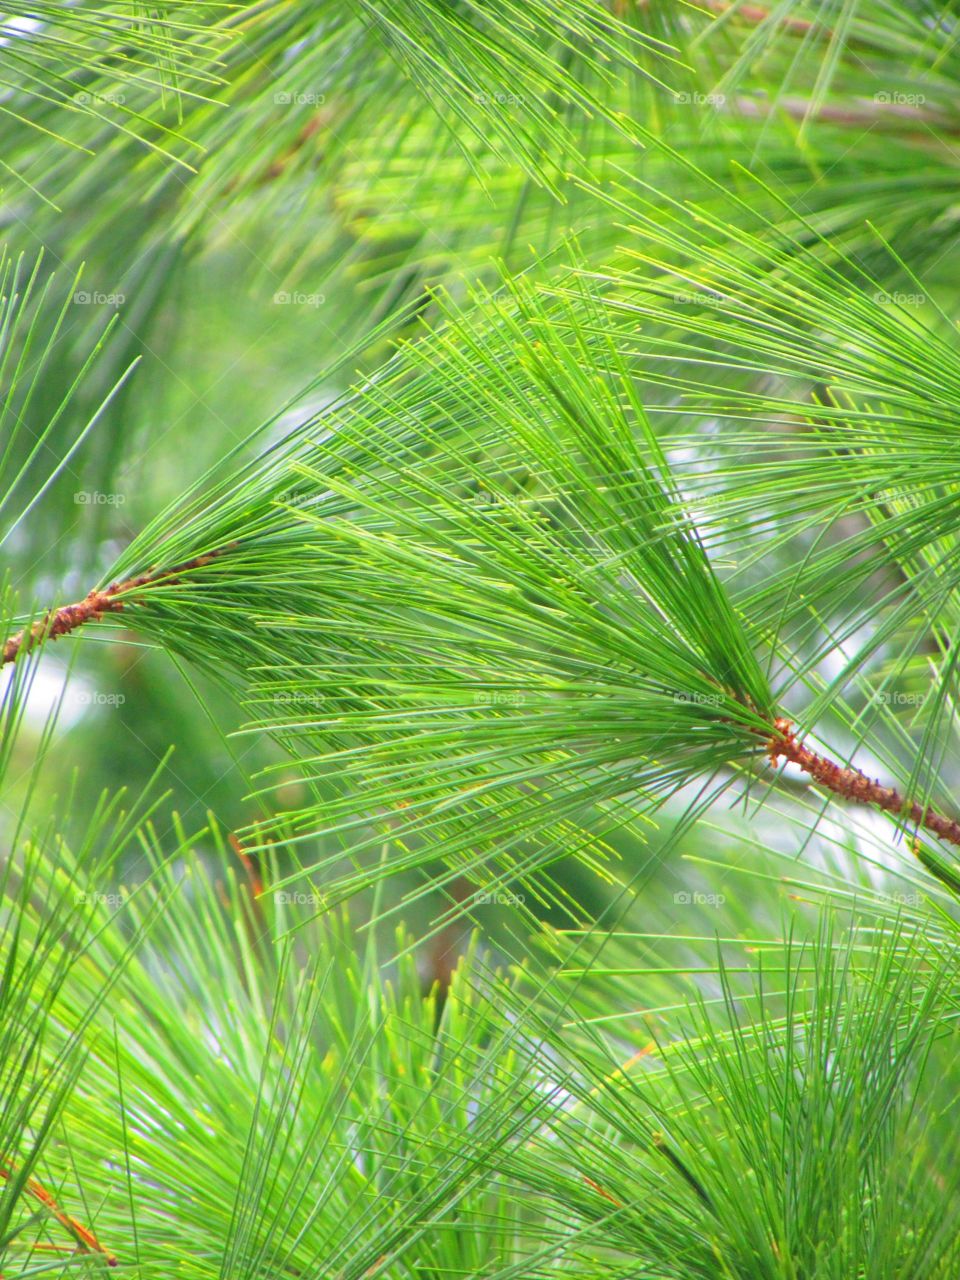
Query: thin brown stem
x=750, y=14
x=853, y=785
x=595, y=1186
x=86, y=1241
x=60, y=622
x=854, y=115
x=755, y=15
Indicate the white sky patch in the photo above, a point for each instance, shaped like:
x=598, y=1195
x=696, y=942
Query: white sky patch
x=46, y=688
x=17, y=26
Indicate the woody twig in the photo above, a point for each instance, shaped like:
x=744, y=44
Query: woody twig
x=60, y=622
x=853, y=785
x=86, y=1241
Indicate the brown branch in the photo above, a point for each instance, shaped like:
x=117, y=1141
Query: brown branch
x=751, y=14
x=853, y=785
x=60, y=622
x=600, y=1191
x=86, y=1241
x=755, y=15
x=856, y=114
x=249, y=865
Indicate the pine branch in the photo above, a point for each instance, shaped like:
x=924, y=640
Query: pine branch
x=853, y=115
x=60, y=622
x=853, y=785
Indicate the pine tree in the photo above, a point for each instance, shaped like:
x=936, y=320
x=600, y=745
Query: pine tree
x=479, y=796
